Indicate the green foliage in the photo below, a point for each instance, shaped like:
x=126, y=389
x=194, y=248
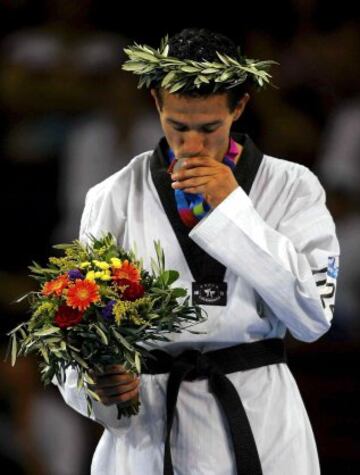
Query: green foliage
x=96, y=342
x=180, y=75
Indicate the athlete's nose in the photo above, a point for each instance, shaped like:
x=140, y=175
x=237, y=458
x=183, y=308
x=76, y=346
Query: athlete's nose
x=192, y=145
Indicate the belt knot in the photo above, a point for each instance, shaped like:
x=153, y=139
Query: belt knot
x=198, y=363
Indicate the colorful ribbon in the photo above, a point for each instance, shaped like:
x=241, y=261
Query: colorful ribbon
x=193, y=207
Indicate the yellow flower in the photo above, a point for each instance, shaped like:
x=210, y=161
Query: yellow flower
x=99, y=274
x=103, y=275
x=101, y=264
x=84, y=264
x=119, y=310
x=130, y=310
x=45, y=308
x=136, y=319
x=115, y=262
x=90, y=275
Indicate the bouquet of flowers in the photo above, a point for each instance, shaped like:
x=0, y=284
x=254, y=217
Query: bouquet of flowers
x=95, y=304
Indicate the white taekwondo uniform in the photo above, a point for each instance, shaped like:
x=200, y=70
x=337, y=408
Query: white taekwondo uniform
x=273, y=241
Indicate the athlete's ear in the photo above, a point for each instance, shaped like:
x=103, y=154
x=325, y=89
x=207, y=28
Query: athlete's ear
x=241, y=106
x=156, y=99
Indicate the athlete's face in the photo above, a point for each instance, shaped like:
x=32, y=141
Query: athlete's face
x=195, y=126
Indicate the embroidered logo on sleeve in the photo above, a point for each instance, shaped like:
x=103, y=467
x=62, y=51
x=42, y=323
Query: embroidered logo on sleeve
x=325, y=280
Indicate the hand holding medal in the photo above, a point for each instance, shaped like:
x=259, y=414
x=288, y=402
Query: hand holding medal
x=206, y=176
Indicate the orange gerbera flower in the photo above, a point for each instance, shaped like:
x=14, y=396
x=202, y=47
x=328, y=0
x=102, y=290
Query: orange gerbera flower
x=82, y=294
x=126, y=271
x=56, y=286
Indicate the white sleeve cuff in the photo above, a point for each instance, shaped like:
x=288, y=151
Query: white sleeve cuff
x=237, y=203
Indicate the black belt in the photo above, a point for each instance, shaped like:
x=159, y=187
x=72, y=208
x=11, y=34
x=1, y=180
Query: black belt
x=193, y=364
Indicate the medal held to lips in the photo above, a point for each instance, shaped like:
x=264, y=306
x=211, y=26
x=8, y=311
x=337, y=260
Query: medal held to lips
x=179, y=163
x=176, y=163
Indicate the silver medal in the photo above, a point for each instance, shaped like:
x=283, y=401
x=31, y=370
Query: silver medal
x=179, y=164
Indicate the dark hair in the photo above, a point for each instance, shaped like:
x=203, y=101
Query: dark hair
x=200, y=44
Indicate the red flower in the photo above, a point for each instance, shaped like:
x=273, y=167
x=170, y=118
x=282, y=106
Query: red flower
x=67, y=317
x=55, y=286
x=82, y=294
x=132, y=291
x=126, y=271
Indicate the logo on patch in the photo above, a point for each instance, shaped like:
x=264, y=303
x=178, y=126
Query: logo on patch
x=209, y=293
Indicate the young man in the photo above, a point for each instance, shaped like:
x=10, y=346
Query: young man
x=254, y=243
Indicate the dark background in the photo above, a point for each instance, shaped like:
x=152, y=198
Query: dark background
x=49, y=100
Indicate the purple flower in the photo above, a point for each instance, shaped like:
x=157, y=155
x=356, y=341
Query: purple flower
x=75, y=274
x=107, y=312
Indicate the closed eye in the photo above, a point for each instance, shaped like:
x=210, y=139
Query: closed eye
x=209, y=130
x=206, y=130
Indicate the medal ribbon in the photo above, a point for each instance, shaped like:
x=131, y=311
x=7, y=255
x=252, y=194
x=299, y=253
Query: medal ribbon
x=192, y=207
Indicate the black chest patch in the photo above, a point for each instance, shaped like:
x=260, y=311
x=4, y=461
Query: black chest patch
x=209, y=293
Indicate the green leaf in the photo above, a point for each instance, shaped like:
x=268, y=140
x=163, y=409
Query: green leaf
x=80, y=381
x=224, y=76
x=165, y=52
x=73, y=348
x=160, y=255
x=203, y=78
x=47, y=331
x=88, y=378
x=164, y=46
x=173, y=276
x=222, y=58
x=154, y=267
x=93, y=394
x=144, y=55
x=79, y=360
x=62, y=246
x=29, y=342
x=164, y=277
x=168, y=78
x=45, y=354
x=46, y=369
x=62, y=346
x=138, y=362
x=101, y=334
x=14, y=330
x=210, y=71
x=177, y=86
x=231, y=60
x=53, y=339
x=13, y=349
x=133, y=67
x=57, y=353
x=179, y=292
x=20, y=299
x=189, y=69
x=122, y=340
x=43, y=271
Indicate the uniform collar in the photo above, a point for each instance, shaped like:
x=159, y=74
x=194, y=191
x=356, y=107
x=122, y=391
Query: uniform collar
x=203, y=267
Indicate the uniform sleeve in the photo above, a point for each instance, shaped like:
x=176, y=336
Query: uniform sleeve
x=74, y=397
x=293, y=267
